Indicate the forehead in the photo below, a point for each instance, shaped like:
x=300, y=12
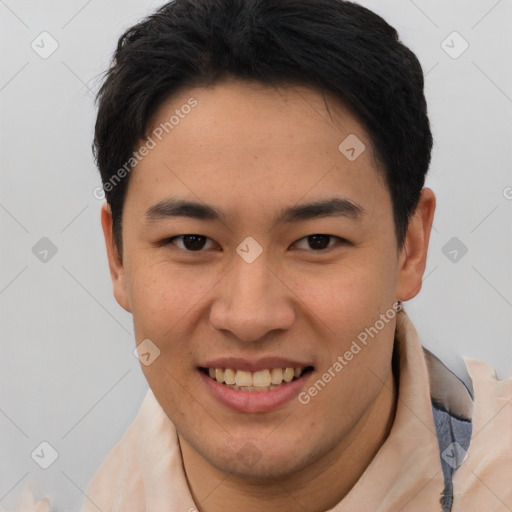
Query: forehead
x=235, y=110
x=240, y=140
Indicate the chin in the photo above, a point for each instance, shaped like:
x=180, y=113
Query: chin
x=254, y=461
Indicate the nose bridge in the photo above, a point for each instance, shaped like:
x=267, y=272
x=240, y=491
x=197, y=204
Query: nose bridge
x=252, y=301
x=252, y=292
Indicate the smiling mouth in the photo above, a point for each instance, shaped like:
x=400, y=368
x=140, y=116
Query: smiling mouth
x=263, y=380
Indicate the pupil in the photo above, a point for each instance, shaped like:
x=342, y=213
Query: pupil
x=318, y=241
x=194, y=242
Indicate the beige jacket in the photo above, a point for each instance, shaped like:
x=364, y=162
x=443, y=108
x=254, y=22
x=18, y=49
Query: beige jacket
x=144, y=472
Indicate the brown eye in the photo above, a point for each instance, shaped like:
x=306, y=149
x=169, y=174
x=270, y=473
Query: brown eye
x=191, y=243
x=318, y=242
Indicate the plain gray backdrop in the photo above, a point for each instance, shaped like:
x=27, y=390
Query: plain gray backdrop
x=68, y=374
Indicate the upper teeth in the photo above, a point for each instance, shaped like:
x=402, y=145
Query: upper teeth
x=259, y=379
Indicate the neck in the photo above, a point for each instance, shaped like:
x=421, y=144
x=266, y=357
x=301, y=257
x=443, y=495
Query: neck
x=318, y=487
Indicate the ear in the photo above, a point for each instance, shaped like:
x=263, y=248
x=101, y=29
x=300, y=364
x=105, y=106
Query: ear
x=413, y=256
x=115, y=263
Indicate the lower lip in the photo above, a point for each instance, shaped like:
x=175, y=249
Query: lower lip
x=255, y=401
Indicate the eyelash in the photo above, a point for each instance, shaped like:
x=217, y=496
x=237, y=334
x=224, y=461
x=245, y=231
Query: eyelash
x=331, y=237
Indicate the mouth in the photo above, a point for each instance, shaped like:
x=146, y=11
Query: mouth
x=261, y=380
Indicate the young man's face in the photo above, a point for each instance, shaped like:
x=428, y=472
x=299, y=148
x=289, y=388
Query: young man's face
x=252, y=152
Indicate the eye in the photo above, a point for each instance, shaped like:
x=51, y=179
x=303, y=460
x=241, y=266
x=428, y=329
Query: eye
x=195, y=243
x=319, y=242
x=191, y=243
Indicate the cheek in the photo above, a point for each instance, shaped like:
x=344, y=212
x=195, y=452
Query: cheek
x=159, y=300
x=164, y=303
x=351, y=295
x=152, y=307
x=347, y=303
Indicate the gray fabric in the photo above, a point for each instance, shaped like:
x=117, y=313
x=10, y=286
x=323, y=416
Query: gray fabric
x=453, y=436
x=452, y=409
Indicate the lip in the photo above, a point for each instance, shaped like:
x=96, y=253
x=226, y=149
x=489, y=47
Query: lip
x=254, y=401
x=264, y=363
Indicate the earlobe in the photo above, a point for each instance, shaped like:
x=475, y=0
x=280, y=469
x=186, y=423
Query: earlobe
x=413, y=257
x=115, y=263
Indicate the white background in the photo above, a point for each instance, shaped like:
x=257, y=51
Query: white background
x=68, y=375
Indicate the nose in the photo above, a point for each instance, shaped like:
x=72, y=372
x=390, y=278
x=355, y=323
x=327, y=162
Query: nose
x=252, y=301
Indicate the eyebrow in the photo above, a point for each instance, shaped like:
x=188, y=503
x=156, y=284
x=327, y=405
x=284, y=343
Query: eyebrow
x=336, y=206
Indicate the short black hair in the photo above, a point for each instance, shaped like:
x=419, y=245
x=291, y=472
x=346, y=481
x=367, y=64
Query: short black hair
x=331, y=45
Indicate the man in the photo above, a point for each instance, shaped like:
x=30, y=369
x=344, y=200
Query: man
x=263, y=163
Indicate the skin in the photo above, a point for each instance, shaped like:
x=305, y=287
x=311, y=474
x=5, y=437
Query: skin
x=251, y=150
